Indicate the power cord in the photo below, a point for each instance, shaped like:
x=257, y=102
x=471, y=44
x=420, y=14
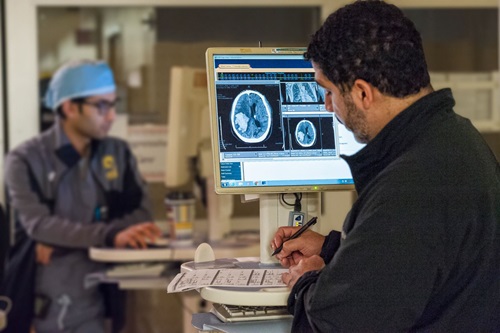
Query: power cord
x=296, y=216
x=297, y=206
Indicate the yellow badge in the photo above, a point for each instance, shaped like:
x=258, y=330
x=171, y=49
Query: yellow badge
x=109, y=165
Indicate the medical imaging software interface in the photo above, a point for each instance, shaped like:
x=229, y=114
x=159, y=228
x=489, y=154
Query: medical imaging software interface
x=273, y=127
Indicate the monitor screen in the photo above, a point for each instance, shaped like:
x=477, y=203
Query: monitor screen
x=271, y=132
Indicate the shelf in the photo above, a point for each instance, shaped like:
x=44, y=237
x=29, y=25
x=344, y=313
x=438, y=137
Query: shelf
x=477, y=96
x=225, y=250
x=486, y=126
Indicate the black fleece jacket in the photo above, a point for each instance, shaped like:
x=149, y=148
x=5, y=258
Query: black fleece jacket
x=420, y=248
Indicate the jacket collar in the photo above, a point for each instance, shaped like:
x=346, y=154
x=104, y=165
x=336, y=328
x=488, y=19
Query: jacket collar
x=63, y=148
x=395, y=138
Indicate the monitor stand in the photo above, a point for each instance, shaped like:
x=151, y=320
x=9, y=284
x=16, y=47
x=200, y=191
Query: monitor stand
x=273, y=214
x=219, y=211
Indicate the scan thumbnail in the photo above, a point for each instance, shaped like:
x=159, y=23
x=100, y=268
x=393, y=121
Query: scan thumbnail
x=302, y=93
x=307, y=133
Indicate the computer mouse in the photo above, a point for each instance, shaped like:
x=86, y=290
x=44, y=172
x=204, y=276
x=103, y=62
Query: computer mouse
x=157, y=242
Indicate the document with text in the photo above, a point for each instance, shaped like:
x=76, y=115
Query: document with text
x=240, y=278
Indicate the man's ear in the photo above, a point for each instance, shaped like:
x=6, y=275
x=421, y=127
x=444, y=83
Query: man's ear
x=69, y=109
x=363, y=94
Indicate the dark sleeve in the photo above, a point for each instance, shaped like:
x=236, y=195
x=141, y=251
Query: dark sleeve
x=330, y=246
x=4, y=239
x=298, y=301
x=18, y=283
x=381, y=276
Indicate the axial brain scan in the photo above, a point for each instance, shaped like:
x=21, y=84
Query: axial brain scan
x=251, y=116
x=305, y=133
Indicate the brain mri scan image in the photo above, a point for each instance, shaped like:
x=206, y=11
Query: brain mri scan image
x=251, y=116
x=305, y=133
x=301, y=92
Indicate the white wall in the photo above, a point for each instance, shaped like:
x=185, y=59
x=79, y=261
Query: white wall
x=128, y=23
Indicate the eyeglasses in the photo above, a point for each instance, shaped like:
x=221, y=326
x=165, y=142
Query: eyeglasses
x=102, y=106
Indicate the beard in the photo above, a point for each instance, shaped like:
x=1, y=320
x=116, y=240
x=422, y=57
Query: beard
x=355, y=121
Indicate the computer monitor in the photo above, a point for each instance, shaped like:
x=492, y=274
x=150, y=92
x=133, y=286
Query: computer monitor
x=188, y=116
x=271, y=133
x=188, y=151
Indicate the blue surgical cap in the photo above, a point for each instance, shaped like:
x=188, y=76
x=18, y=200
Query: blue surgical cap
x=79, y=79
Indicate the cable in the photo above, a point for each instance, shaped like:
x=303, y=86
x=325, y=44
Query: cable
x=284, y=201
x=297, y=206
x=183, y=305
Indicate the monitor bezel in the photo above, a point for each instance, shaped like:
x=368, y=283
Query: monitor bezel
x=215, y=51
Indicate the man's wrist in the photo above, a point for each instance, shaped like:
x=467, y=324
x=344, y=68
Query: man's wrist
x=109, y=240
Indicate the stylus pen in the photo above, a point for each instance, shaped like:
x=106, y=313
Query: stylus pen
x=297, y=234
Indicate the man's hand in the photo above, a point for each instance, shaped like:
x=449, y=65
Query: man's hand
x=43, y=253
x=313, y=263
x=136, y=236
x=306, y=245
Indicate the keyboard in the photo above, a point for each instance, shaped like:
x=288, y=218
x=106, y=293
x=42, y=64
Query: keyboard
x=239, y=313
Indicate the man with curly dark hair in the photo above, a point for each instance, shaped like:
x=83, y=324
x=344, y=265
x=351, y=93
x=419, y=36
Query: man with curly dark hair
x=420, y=248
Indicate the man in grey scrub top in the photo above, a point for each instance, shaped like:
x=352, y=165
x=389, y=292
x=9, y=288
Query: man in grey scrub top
x=72, y=187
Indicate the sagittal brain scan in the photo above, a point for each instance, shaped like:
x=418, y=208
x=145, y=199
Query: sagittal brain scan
x=305, y=133
x=303, y=92
x=251, y=116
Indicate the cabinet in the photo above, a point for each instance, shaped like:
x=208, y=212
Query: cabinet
x=461, y=42
x=477, y=96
